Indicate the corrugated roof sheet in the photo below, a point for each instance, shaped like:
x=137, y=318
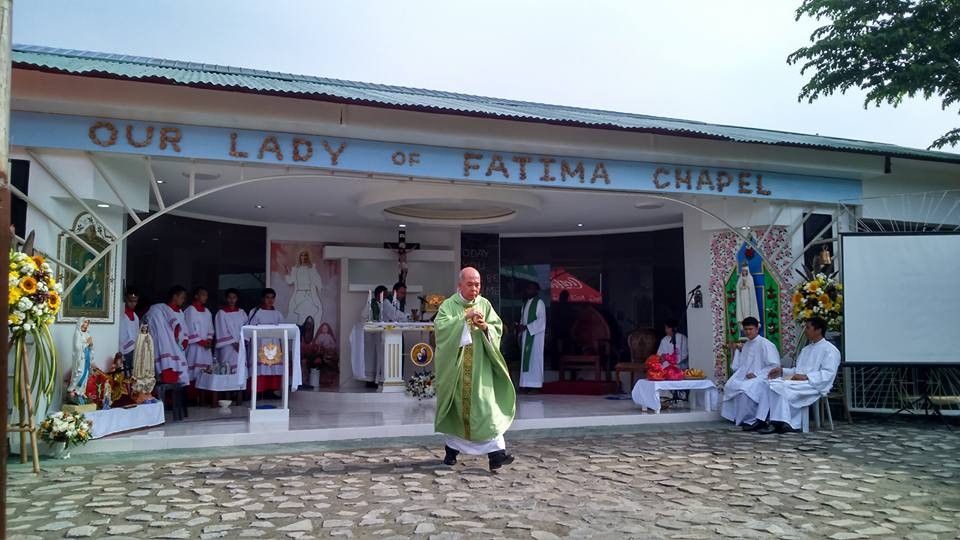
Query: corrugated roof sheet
x=267, y=82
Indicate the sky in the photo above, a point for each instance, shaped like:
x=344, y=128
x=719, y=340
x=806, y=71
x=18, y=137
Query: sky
x=718, y=62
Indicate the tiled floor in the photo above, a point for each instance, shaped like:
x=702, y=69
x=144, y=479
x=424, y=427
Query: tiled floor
x=318, y=416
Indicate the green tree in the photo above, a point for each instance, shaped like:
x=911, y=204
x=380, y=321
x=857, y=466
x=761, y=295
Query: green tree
x=889, y=48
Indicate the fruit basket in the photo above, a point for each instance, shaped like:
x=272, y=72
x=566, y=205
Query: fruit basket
x=694, y=373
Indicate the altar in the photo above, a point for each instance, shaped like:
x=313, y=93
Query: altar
x=393, y=350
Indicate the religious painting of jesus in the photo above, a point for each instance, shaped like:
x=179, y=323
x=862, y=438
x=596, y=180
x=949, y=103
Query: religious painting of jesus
x=308, y=294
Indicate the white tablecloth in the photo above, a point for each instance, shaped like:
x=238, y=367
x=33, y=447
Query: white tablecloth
x=292, y=348
x=113, y=421
x=218, y=383
x=646, y=393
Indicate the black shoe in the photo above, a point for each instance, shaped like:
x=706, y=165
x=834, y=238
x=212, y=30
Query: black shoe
x=754, y=426
x=373, y=385
x=786, y=428
x=451, y=457
x=768, y=429
x=499, y=459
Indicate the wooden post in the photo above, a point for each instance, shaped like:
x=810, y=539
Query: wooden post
x=6, y=33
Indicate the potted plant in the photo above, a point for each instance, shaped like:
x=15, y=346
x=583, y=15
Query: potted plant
x=63, y=430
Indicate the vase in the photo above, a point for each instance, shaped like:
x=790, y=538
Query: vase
x=314, y=378
x=59, y=450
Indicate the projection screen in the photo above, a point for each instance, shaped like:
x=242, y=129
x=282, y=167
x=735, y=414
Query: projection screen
x=901, y=298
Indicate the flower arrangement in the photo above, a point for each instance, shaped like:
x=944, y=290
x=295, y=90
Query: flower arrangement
x=34, y=298
x=69, y=428
x=421, y=385
x=819, y=295
x=654, y=365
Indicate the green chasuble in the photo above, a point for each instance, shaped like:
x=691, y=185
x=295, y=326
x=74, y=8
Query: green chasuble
x=475, y=396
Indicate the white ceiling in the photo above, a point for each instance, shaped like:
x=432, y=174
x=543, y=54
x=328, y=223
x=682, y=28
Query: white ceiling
x=322, y=199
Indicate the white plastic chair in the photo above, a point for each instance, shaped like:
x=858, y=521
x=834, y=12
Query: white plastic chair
x=805, y=415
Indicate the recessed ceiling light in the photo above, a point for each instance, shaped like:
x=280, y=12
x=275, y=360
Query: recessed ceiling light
x=201, y=176
x=159, y=181
x=260, y=206
x=103, y=205
x=155, y=239
x=403, y=226
x=745, y=228
x=647, y=205
x=579, y=224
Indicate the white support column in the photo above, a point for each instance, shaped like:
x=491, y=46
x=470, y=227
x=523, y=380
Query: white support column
x=393, y=361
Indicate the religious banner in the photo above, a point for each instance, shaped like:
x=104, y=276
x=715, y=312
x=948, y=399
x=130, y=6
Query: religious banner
x=482, y=251
x=308, y=294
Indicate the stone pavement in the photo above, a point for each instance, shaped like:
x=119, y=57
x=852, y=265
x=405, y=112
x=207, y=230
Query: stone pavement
x=868, y=480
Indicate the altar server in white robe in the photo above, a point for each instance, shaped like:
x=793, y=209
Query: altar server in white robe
x=751, y=364
x=790, y=390
x=169, y=331
x=199, y=333
x=129, y=329
x=270, y=350
x=674, y=342
x=532, y=329
x=230, y=319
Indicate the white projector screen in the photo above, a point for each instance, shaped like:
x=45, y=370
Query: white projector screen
x=901, y=298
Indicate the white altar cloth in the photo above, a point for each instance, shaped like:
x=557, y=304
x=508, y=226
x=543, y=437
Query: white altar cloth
x=646, y=393
x=219, y=383
x=113, y=421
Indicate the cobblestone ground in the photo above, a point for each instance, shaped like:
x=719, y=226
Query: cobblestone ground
x=866, y=480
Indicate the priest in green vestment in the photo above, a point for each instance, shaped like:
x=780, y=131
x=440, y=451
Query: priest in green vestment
x=476, y=400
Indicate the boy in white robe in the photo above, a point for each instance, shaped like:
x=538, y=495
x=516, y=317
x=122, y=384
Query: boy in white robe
x=790, y=390
x=129, y=329
x=199, y=333
x=270, y=374
x=168, y=328
x=674, y=342
x=752, y=361
x=230, y=319
x=532, y=329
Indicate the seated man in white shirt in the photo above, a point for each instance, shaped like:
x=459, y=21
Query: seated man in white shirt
x=752, y=361
x=790, y=390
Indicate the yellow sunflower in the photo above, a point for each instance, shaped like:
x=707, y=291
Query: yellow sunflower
x=28, y=285
x=38, y=260
x=797, y=298
x=53, y=300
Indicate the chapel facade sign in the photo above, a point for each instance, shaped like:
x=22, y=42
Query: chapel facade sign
x=471, y=165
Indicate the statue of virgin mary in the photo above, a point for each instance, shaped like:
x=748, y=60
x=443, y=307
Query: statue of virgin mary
x=747, y=305
x=82, y=356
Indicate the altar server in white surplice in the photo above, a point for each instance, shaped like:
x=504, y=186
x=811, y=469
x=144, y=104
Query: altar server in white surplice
x=129, y=329
x=744, y=388
x=270, y=350
x=169, y=331
x=230, y=319
x=199, y=333
x=532, y=329
x=790, y=390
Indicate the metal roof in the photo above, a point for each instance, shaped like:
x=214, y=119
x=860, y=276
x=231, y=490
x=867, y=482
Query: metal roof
x=95, y=64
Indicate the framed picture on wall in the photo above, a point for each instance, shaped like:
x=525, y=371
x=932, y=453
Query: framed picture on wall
x=92, y=297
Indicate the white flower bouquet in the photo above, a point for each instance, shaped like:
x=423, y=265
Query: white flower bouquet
x=69, y=428
x=421, y=385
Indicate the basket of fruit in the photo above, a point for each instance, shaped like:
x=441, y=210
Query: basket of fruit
x=694, y=373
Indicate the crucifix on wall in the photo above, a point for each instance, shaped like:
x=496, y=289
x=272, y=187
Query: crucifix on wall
x=402, y=247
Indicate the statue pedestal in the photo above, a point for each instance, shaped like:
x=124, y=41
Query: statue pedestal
x=74, y=409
